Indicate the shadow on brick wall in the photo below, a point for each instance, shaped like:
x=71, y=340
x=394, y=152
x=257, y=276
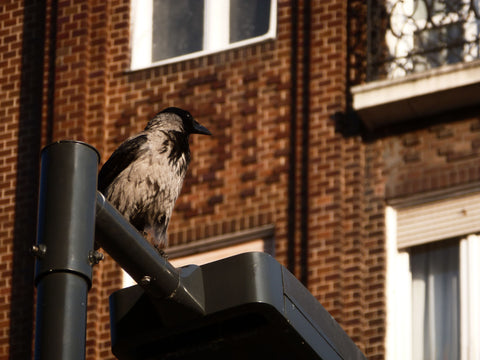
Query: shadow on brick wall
x=29, y=140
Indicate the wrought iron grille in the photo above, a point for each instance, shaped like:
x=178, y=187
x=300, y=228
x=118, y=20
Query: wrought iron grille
x=410, y=36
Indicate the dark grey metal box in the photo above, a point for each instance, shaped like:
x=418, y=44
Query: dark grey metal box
x=255, y=309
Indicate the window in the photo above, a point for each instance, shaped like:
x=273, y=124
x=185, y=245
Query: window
x=165, y=31
x=435, y=274
x=433, y=279
x=215, y=248
x=425, y=34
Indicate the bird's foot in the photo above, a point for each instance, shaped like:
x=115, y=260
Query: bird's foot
x=161, y=252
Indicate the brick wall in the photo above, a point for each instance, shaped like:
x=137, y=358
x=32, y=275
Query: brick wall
x=21, y=68
x=436, y=157
x=241, y=176
x=241, y=95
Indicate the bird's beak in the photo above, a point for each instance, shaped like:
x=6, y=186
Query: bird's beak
x=200, y=129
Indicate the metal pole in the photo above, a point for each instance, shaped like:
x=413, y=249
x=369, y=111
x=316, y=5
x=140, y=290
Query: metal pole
x=64, y=249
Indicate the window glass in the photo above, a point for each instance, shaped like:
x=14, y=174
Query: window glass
x=248, y=19
x=177, y=28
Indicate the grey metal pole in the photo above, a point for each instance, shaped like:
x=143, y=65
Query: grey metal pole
x=64, y=249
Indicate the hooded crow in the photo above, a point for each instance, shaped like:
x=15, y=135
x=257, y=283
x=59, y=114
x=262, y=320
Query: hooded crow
x=144, y=176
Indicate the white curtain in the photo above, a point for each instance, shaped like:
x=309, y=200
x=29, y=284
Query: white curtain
x=435, y=301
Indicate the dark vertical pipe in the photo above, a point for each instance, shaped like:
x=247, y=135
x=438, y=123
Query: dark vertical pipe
x=369, y=41
x=22, y=297
x=304, y=213
x=65, y=233
x=291, y=222
x=52, y=56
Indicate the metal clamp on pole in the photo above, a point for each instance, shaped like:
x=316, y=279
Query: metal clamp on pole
x=65, y=233
x=144, y=264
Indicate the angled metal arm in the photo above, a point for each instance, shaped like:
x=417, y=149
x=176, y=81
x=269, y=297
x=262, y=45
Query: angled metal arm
x=144, y=263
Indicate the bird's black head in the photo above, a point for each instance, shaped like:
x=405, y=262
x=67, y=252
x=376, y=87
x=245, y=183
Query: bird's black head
x=190, y=125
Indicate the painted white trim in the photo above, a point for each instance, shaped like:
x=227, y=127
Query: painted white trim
x=141, y=22
x=385, y=102
x=398, y=339
x=127, y=280
x=216, y=25
x=443, y=78
x=470, y=297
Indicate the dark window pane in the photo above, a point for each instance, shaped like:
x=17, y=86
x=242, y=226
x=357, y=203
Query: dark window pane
x=440, y=45
x=248, y=19
x=177, y=28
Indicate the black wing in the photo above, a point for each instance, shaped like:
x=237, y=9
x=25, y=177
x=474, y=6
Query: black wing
x=126, y=153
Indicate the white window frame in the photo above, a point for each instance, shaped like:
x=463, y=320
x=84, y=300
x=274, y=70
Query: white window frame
x=216, y=32
x=399, y=279
x=470, y=297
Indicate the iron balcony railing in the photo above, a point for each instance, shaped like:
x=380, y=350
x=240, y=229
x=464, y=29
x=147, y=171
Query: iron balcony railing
x=411, y=36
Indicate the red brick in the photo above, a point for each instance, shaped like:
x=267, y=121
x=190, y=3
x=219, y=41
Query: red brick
x=239, y=177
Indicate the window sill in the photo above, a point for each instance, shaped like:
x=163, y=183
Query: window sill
x=386, y=102
x=196, y=55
